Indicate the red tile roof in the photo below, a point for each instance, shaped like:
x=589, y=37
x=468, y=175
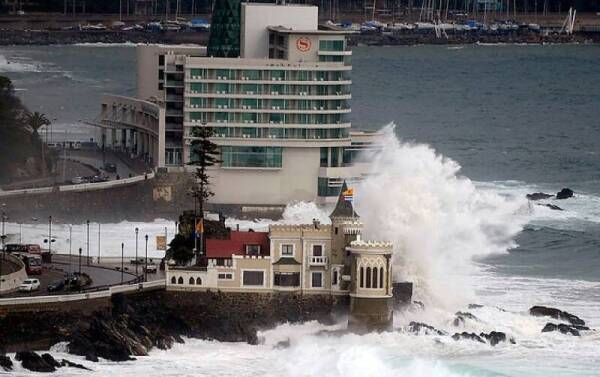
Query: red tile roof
x=236, y=244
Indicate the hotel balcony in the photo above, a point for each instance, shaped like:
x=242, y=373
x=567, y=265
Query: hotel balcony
x=317, y=261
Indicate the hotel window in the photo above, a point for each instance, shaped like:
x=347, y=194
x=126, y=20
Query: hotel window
x=225, y=276
x=249, y=117
x=331, y=58
x=324, y=157
x=302, y=76
x=224, y=73
x=251, y=74
x=253, y=278
x=197, y=87
x=222, y=88
x=337, y=45
x=161, y=60
x=275, y=133
x=276, y=89
x=317, y=280
x=287, y=250
x=251, y=103
x=278, y=75
x=278, y=103
x=276, y=118
x=222, y=102
x=249, y=132
x=249, y=89
x=317, y=250
x=252, y=157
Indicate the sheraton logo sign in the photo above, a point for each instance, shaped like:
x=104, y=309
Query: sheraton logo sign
x=303, y=44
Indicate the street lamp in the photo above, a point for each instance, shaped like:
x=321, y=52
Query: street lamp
x=146, y=262
x=98, y=243
x=88, y=242
x=50, y=234
x=3, y=228
x=70, y=244
x=122, y=257
x=80, y=262
x=136, y=252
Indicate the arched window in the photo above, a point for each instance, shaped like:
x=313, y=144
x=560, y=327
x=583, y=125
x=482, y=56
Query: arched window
x=368, y=277
x=180, y=280
x=191, y=281
x=361, y=277
x=173, y=280
x=374, y=277
x=198, y=281
x=381, y=278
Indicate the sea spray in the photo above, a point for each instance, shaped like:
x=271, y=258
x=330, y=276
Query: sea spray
x=438, y=220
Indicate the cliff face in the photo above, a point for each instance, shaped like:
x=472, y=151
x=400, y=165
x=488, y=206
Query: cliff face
x=132, y=325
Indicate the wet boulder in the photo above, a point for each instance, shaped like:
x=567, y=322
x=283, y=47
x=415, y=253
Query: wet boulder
x=50, y=360
x=423, y=328
x=6, y=363
x=34, y=362
x=551, y=206
x=543, y=311
x=475, y=306
x=563, y=328
x=468, y=336
x=496, y=337
x=538, y=196
x=461, y=317
x=70, y=364
x=564, y=193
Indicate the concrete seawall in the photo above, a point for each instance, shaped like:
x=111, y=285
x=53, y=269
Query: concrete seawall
x=11, y=281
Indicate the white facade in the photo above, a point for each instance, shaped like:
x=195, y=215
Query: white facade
x=256, y=18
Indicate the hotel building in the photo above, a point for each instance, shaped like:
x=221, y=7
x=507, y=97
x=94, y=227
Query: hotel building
x=280, y=111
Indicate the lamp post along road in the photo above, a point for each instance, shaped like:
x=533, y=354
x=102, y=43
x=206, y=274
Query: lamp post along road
x=88, y=242
x=70, y=244
x=122, y=260
x=80, y=262
x=137, y=231
x=146, y=261
x=50, y=234
x=98, y=243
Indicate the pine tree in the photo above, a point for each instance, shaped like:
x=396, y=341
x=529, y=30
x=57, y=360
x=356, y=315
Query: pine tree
x=204, y=154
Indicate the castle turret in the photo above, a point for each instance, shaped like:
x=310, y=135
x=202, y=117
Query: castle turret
x=371, y=305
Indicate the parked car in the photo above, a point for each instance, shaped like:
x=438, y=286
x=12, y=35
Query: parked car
x=55, y=286
x=29, y=285
x=78, y=180
x=110, y=167
x=72, y=280
x=151, y=269
x=97, y=178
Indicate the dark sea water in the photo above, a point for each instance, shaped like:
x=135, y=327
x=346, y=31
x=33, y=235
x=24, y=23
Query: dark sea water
x=518, y=119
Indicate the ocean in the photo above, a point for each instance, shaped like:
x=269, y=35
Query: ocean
x=470, y=131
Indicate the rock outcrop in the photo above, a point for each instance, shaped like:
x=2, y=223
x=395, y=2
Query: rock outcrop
x=538, y=196
x=461, y=317
x=423, y=328
x=564, y=328
x=551, y=206
x=496, y=337
x=34, y=362
x=543, y=311
x=564, y=193
x=468, y=336
x=6, y=363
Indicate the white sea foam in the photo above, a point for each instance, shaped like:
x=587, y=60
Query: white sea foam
x=17, y=65
x=437, y=220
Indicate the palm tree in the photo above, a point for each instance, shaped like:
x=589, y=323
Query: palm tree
x=37, y=120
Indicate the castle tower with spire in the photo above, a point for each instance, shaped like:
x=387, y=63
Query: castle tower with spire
x=366, y=266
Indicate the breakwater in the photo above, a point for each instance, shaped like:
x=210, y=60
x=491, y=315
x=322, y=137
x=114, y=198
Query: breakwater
x=66, y=37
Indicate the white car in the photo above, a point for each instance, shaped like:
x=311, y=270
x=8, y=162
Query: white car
x=29, y=285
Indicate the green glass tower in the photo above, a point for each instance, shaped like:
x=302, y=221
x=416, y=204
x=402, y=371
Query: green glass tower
x=224, y=41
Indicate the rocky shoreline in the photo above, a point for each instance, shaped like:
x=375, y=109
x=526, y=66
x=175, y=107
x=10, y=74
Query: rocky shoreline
x=132, y=325
x=135, y=324
x=69, y=37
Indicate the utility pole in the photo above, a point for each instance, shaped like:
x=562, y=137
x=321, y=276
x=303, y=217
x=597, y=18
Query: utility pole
x=98, y=243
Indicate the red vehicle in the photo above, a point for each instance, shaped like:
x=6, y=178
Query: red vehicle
x=34, y=249
x=33, y=263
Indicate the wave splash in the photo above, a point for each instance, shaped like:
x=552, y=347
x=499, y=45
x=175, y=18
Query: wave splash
x=438, y=220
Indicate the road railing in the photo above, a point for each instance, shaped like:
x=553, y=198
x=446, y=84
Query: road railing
x=134, y=286
x=79, y=187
